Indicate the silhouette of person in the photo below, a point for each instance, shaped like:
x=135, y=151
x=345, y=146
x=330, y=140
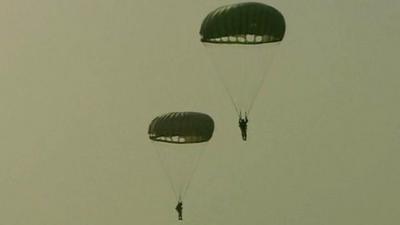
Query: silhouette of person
x=179, y=209
x=243, y=125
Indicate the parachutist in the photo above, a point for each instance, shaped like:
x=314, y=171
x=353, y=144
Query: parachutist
x=179, y=209
x=243, y=126
x=176, y=128
x=248, y=25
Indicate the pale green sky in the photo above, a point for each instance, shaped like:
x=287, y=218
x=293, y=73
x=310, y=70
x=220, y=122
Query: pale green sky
x=81, y=80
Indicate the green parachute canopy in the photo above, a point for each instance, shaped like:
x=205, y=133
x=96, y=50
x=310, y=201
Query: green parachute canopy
x=181, y=128
x=243, y=23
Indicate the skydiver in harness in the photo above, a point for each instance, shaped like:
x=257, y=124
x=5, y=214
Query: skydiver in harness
x=243, y=125
x=179, y=209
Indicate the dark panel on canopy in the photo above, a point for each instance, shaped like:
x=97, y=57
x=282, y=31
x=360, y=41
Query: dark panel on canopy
x=181, y=128
x=236, y=23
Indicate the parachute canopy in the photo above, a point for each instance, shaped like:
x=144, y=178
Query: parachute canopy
x=181, y=128
x=243, y=23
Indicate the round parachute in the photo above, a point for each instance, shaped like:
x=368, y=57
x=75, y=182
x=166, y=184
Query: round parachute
x=179, y=139
x=241, y=41
x=243, y=23
x=182, y=128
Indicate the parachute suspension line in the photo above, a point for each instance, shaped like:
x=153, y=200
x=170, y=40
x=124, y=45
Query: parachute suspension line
x=234, y=103
x=253, y=99
x=259, y=88
x=230, y=95
x=168, y=175
x=189, y=181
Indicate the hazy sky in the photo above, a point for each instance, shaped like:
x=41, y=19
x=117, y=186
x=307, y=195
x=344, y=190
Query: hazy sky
x=81, y=80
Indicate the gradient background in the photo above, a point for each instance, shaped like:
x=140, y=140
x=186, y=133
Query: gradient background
x=80, y=81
